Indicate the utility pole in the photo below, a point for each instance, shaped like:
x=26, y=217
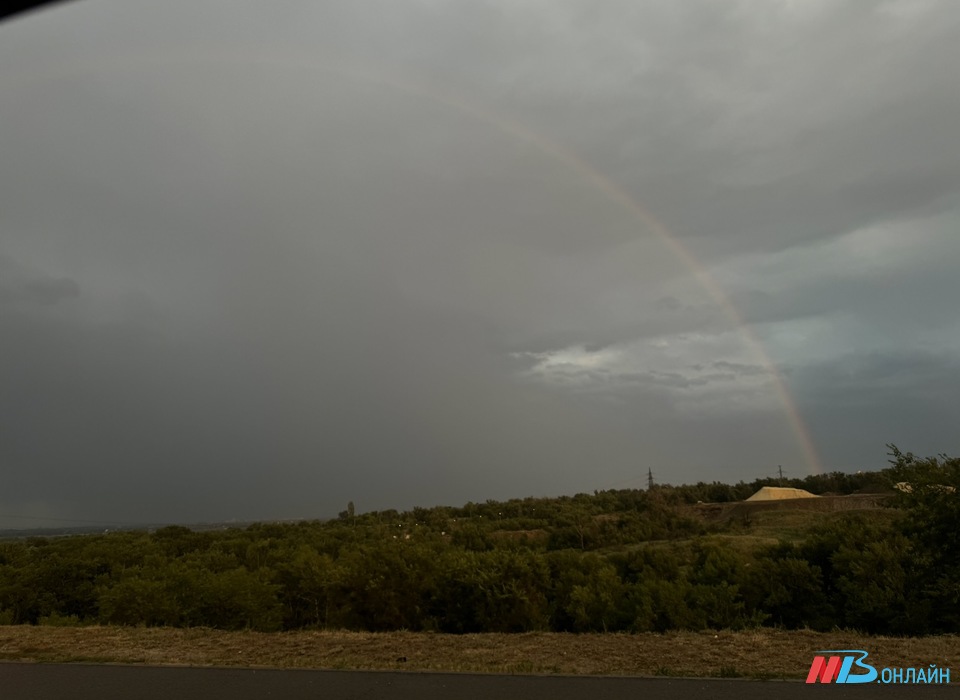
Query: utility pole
x=781, y=474
x=649, y=479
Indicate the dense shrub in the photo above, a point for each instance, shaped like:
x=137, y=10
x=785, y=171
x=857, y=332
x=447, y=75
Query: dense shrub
x=623, y=560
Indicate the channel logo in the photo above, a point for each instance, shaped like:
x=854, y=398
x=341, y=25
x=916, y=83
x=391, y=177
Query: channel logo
x=840, y=669
x=837, y=668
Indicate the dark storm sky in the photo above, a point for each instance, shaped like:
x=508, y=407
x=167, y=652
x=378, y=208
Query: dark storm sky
x=260, y=259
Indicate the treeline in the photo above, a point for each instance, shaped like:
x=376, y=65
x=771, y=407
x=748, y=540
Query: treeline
x=833, y=483
x=611, y=561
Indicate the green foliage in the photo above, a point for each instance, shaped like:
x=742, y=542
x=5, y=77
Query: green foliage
x=789, y=591
x=874, y=583
x=495, y=591
x=137, y=601
x=929, y=493
x=623, y=560
x=58, y=620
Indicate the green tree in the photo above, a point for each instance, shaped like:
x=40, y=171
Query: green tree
x=784, y=589
x=874, y=583
x=929, y=493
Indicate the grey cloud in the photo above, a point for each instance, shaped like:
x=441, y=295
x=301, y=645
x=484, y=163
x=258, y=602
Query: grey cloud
x=675, y=379
x=906, y=398
x=50, y=291
x=20, y=284
x=739, y=368
x=669, y=303
x=862, y=379
x=271, y=260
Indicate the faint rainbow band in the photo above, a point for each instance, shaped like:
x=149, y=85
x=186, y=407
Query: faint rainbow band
x=512, y=128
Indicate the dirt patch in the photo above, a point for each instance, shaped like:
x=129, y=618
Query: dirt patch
x=723, y=512
x=775, y=493
x=750, y=654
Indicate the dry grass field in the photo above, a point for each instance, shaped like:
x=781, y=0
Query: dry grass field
x=747, y=654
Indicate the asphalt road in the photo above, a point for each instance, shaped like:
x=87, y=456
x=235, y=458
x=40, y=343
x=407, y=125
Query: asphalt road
x=107, y=682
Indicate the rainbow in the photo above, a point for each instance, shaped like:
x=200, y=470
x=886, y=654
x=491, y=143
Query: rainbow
x=515, y=130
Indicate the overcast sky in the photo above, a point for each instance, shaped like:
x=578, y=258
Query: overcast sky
x=260, y=259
